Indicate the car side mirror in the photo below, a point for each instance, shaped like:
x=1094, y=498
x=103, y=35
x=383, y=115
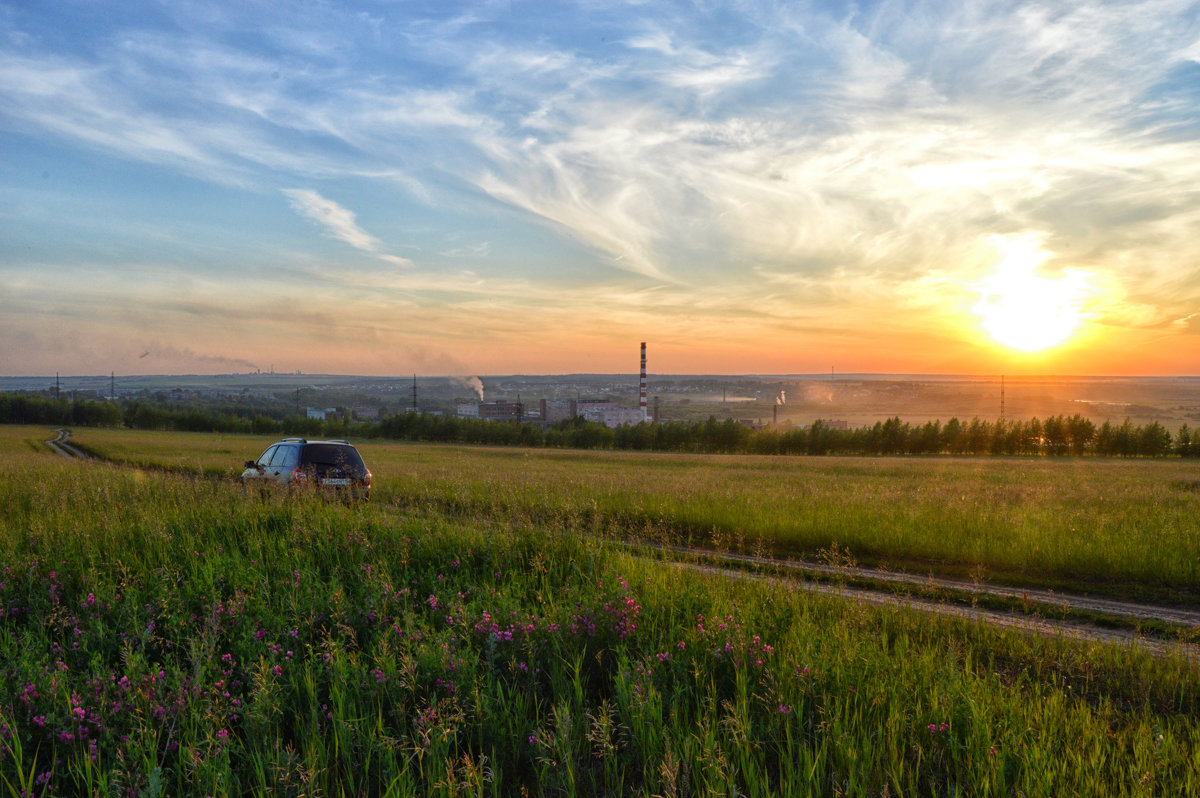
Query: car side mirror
x=251, y=464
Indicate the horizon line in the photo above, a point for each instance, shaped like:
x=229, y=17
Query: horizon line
x=466, y=375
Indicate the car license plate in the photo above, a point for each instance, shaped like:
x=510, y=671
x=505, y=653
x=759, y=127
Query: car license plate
x=335, y=482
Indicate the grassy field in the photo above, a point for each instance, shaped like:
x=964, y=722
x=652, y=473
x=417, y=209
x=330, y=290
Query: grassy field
x=163, y=635
x=1120, y=527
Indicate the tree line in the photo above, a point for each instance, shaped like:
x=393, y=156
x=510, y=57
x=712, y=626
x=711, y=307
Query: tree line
x=1054, y=436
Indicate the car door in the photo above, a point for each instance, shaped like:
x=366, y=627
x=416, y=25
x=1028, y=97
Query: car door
x=278, y=460
x=261, y=473
x=286, y=458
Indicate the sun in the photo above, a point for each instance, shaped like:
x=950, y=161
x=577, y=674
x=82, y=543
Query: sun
x=1024, y=310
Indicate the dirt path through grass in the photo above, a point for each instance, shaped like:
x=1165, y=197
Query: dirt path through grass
x=59, y=444
x=1048, y=627
x=1047, y=599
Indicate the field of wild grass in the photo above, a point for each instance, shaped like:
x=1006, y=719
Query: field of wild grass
x=160, y=634
x=1118, y=526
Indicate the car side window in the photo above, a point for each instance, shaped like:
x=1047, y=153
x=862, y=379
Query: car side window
x=287, y=457
x=265, y=460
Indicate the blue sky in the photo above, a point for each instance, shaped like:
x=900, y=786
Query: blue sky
x=401, y=187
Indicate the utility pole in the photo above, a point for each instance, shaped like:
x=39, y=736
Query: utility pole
x=112, y=387
x=297, y=401
x=57, y=387
x=1001, y=397
x=414, y=404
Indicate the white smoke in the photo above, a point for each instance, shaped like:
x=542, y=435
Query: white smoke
x=474, y=383
x=782, y=398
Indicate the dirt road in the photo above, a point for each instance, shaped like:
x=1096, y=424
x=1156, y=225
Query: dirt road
x=1047, y=600
x=60, y=445
x=1050, y=627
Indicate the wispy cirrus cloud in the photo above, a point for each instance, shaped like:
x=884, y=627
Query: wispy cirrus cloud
x=338, y=223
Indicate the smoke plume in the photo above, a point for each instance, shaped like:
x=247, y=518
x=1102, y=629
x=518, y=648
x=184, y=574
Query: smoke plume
x=474, y=383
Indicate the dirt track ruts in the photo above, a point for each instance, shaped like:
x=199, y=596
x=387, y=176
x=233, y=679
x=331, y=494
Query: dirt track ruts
x=60, y=445
x=1049, y=598
x=1047, y=627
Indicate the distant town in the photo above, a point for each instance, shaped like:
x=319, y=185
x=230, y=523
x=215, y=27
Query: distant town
x=839, y=400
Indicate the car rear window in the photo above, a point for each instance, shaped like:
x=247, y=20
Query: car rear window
x=332, y=454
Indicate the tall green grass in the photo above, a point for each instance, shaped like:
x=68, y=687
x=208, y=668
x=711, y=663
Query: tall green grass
x=164, y=635
x=1126, y=527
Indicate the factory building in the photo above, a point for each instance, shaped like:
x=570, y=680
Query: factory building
x=556, y=410
x=552, y=411
x=613, y=417
x=501, y=411
x=599, y=411
x=584, y=405
x=492, y=411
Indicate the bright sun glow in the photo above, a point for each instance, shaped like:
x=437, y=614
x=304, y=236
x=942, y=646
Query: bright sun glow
x=1023, y=310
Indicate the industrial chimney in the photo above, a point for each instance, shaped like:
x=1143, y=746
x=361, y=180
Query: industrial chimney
x=642, y=385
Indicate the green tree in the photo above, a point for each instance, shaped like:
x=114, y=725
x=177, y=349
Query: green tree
x=1185, y=444
x=1154, y=440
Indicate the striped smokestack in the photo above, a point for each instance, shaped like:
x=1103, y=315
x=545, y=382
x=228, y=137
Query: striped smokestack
x=642, y=385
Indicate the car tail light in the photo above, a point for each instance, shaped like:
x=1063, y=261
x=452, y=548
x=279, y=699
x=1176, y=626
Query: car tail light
x=367, y=479
x=299, y=475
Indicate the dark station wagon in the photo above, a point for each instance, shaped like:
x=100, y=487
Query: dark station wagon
x=329, y=467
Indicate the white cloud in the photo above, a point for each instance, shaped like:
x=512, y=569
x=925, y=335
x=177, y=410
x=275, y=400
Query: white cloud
x=73, y=100
x=338, y=222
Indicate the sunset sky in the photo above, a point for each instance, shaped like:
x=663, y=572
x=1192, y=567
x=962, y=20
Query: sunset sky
x=504, y=187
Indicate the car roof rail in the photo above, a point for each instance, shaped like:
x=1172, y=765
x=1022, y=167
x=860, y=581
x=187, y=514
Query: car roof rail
x=340, y=440
x=292, y=440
